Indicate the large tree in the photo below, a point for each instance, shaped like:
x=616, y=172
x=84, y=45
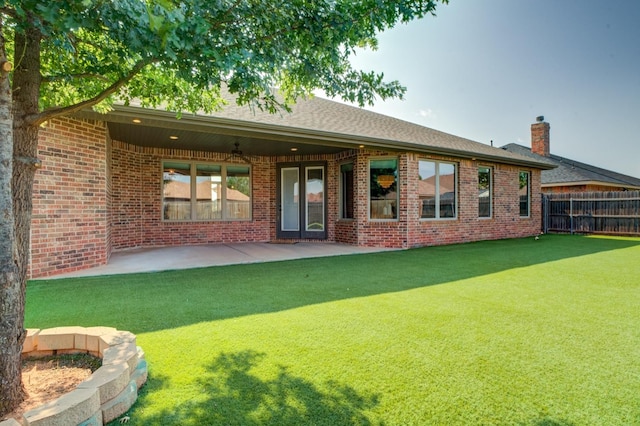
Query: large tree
x=60, y=57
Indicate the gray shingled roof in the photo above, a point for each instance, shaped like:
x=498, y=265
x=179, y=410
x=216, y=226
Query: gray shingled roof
x=570, y=171
x=331, y=117
x=320, y=121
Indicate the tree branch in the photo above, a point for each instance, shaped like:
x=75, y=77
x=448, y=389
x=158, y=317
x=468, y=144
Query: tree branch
x=8, y=11
x=51, y=78
x=48, y=114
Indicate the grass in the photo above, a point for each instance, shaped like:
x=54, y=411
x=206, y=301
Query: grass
x=517, y=332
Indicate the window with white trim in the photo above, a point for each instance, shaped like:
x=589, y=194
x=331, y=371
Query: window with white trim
x=437, y=189
x=195, y=191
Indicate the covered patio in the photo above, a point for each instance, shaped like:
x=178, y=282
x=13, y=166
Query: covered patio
x=156, y=259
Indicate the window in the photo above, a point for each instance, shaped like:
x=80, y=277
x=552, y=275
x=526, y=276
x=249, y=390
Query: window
x=199, y=191
x=525, y=194
x=314, y=200
x=383, y=189
x=485, y=191
x=208, y=189
x=437, y=190
x=238, y=194
x=346, y=191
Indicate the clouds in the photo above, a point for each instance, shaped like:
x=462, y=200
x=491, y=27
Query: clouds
x=426, y=113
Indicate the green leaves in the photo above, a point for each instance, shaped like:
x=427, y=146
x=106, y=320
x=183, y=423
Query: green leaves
x=249, y=46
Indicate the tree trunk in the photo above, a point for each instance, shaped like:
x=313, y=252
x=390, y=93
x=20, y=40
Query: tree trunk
x=18, y=150
x=11, y=323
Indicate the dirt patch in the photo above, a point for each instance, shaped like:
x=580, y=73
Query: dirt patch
x=45, y=379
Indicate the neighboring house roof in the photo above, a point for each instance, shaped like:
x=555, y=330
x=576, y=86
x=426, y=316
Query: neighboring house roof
x=569, y=172
x=204, y=191
x=427, y=187
x=317, y=122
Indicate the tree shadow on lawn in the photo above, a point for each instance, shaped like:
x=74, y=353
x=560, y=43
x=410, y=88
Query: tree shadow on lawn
x=165, y=300
x=232, y=395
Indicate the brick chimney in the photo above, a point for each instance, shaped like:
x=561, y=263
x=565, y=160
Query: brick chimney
x=540, y=137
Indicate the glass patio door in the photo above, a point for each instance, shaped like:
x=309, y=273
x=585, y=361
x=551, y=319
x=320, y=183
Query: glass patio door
x=301, y=201
x=290, y=199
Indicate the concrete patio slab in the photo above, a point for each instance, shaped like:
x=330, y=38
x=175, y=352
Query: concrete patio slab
x=186, y=257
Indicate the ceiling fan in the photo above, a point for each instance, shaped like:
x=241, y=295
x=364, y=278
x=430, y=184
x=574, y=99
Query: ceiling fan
x=237, y=153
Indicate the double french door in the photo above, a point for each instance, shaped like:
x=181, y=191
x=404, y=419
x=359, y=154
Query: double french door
x=302, y=201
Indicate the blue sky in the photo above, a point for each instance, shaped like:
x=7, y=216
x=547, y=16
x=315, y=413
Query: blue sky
x=486, y=69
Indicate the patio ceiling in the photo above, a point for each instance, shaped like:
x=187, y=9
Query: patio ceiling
x=153, y=128
x=138, y=134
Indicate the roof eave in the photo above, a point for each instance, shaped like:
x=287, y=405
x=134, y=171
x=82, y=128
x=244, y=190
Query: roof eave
x=209, y=123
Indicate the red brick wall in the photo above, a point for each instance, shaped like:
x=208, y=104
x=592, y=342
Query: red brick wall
x=505, y=221
x=137, y=202
x=540, y=139
x=379, y=233
x=345, y=229
x=411, y=231
x=94, y=195
x=69, y=222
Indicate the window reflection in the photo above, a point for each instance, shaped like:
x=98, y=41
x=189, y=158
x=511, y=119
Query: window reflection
x=176, y=191
x=208, y=191
x=238, y=192
x=197, y=191
x=437, y=189
x=346, y=191
x=524, y=194
x=315, y=198
x=383, y=192
x=484, y=192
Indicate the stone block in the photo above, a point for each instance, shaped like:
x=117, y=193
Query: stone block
x=125, y=352
x=110, y=380
x=140, y=374
x=95, y=420
x=93, y=337
x=10, y=422
x=117, y=338
x=57, y=338
x=120, y=404
x=31, y=341
x=70, y=409
x=80, y=341
x=140, y=353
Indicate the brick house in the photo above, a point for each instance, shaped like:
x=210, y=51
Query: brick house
x=569, y=175
x=326, y=172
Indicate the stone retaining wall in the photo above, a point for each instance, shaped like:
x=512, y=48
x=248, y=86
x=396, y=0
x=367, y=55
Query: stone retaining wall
x=107, y=394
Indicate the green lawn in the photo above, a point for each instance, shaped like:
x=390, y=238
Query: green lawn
x=517, y=332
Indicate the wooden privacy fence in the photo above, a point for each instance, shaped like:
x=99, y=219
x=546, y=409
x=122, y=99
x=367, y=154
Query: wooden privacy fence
x=612, y=213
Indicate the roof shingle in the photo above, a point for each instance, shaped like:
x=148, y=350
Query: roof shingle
x=570, y=171
x=331, y=117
